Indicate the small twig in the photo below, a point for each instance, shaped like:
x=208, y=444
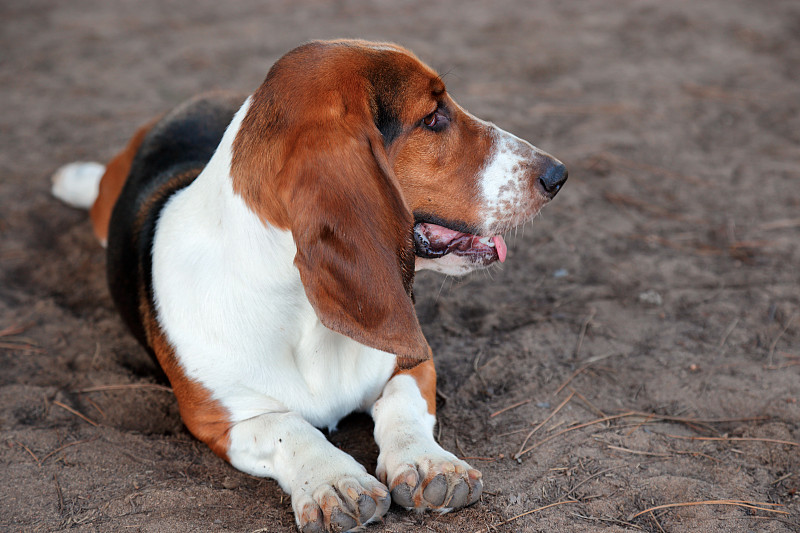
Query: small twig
x=586, y=364
x=598, y=474
x=591, y=406
x=67, y=446
x=573, y=428
x=686, y=420
x=93, y=404
x=477, y=370
x=787, y=476
x=728, y=331
x=543, y=422
x=569, y=379
x=526, y=513
x=29, y=451
x=458, y=444
x=522, y=430
x=584, y=327
x=653, y=517
x=489, y=459
x=96, y=355
x=60, y=495
x=640, y=424
x=775, y=342
x=22, y=346
x=596, y=358
x=713, y=92
x=739, y=503
x=693, y=453
x=606, y=519
x=14, y=329
x=682, y=420
x=779, y=224
x=733, y=439
x=76, y=413
x=639, y=452
x=503, y=410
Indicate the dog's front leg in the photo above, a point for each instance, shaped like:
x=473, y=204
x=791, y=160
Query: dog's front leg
x=419, y=472
x=330, y=490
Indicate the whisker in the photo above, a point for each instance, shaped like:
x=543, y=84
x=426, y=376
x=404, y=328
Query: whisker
x=441, y=287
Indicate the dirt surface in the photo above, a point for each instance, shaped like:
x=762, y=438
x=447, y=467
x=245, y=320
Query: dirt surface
x=662, y=286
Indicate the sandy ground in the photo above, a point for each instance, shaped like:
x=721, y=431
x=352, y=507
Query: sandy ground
x=657, y=299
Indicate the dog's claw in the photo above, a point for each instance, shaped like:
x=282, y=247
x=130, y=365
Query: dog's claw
x=403, y=495
x=313, y=527
x=441, y=483
x=344, y=505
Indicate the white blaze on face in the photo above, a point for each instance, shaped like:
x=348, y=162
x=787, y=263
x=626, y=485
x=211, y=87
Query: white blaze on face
x=509, y=194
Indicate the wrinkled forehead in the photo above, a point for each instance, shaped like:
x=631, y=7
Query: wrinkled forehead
x=347, y=77
x=398, y=77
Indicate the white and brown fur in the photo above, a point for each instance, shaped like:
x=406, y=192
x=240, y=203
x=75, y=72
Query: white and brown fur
x=261, y=249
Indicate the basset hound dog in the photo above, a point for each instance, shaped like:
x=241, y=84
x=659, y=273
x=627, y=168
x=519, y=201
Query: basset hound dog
x=263, y=250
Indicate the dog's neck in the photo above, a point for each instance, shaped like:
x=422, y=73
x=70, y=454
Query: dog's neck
x=224, y=215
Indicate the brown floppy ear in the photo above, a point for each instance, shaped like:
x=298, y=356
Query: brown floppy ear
x=353, y=232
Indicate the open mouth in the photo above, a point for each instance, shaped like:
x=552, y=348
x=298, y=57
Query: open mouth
x=432, y=241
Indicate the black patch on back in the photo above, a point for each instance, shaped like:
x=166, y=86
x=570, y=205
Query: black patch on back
x=172, y=155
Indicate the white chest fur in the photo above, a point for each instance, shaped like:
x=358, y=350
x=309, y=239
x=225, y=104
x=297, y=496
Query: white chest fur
x=231, y=303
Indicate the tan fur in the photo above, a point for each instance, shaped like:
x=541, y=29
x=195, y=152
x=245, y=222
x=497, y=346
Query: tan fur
x=113, y=180
x=425, y=376
x=203, y=416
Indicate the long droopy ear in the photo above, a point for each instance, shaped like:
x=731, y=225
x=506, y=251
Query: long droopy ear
x=353, y=233
x=306, y=161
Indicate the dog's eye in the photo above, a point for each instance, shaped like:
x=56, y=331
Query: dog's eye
x=431, y=120
x=435, y=121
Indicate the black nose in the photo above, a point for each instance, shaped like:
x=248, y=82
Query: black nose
x=552, y=179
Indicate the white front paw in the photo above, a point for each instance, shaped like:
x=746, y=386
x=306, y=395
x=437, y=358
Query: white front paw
x=344, y=502
x=430, y=479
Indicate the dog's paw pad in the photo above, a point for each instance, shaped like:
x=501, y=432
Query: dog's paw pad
x=403, y=488
x=436, y=483
x=436, y=491
x=343, y=505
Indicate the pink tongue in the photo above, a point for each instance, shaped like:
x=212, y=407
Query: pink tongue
x=500, y=245
x=441, y=233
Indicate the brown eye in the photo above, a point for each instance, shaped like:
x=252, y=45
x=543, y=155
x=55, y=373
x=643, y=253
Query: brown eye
x=436, y=121
x=431, y=120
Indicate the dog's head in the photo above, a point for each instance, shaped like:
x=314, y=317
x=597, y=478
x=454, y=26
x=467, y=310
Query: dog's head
x=357, y=148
